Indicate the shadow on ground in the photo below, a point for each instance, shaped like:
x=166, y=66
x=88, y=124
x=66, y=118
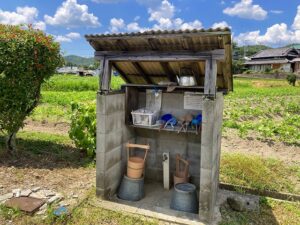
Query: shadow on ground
x=43, y=155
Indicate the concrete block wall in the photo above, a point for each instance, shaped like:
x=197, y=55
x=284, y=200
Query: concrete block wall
x=112, y=135
x=186, y=144
x=210, y=156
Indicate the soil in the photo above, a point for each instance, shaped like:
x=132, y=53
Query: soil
x=232, y=143
x=46, y=127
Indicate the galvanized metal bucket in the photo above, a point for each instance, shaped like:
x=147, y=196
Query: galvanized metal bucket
x=131, y=189
x=184, y=198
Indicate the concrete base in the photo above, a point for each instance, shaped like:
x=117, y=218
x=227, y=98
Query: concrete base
x=156, y=204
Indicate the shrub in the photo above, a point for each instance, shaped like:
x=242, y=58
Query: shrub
x=268, y=70
x=27, y=58
x=291, y=78
x=83, y=127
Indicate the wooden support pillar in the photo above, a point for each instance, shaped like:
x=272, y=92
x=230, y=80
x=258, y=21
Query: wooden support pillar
x=210, y=82
x=101, y=67
x=105, y=76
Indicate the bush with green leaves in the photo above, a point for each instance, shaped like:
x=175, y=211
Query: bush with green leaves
x=291, y=78
x=83, y=127
x=28, y=57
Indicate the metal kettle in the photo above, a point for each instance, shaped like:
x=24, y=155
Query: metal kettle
x=186, y=77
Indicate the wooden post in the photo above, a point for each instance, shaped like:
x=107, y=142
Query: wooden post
x=106, y=76
x=210, y=82
x=101, y=67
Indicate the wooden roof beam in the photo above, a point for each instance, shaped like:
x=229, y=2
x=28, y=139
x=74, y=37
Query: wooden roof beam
x=141, y=71
x=123, y=75
x=168, y=71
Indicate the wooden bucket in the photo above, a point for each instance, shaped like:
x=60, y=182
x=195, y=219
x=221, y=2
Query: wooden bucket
x=182, y=172
x=135, y=164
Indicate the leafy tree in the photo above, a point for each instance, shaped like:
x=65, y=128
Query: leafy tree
x=28, y=57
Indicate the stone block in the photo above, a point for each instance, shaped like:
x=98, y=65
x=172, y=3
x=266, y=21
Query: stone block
x=110, y=103
x=205, y=179
x=112, y=157
x=112, y=122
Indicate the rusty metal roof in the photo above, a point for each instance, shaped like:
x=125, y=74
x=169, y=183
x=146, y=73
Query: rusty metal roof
x=167, y=41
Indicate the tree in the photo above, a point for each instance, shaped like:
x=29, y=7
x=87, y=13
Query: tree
x=28, y=57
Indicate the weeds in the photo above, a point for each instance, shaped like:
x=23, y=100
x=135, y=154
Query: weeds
x=258, y=173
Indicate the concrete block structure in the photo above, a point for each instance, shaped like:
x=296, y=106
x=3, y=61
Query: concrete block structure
x=152, y=61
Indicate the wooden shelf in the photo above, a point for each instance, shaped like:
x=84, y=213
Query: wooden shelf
x=169, y=129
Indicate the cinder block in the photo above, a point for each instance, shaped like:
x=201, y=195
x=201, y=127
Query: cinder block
x=205, y=200
x=110, y=103
x=100, y=162
x=206, y=157
x=108, y=123
x=113, y=174
x=205, y=179
x=113, y=157
x=100, y=181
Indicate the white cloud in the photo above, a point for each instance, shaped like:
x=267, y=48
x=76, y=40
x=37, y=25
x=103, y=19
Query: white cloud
x=222, y=24
x=71, y=14
x=296, y=24
x=22, y=15
x=164, y=11
x=68, y=37
x=116, y=25
x=107, y=1
x=276, y=35
x=73, y=35
x=163, y=15
x=137, y=18
x=276, y=11
x=40, y=25
x=135, y=27
x=245, y=9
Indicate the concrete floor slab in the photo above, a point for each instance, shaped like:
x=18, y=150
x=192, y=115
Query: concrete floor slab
x=155, y=204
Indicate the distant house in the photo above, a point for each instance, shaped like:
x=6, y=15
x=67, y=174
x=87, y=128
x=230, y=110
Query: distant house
x=282, y=59
x=68, y=70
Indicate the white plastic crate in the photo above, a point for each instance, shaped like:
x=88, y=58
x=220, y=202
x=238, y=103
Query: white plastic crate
x=145, y=117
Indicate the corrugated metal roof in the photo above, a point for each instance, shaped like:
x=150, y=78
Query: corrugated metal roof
x=158, y=32
x=167, y=41
x=273, y=52
x=262, y=62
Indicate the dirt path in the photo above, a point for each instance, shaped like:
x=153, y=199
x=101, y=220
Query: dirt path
x=45, y=127
x=232, y=143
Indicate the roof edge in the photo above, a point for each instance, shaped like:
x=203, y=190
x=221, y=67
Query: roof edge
x=221, y=31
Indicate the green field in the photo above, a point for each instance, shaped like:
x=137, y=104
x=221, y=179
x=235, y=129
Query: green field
x=270, y=108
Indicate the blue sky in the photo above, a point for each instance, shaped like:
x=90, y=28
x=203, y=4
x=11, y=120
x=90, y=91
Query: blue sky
x=270, y=22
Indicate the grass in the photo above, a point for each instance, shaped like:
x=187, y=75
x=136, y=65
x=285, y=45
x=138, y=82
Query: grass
x=84, y=213
x=61, y=90
x=271, y=212
x=9, y=213
x=40, y=149
x=259, y=173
